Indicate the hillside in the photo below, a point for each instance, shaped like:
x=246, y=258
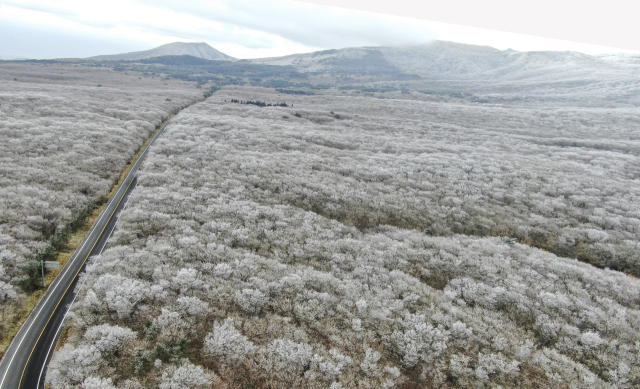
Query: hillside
x=348, y=241
x=439, y=59
x=462, y=66
x=199, y=50
x=66, y=133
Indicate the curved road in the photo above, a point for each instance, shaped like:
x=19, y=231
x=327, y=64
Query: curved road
x=24, y=363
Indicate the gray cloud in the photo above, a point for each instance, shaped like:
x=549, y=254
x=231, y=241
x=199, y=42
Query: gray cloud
x=612, y=23
x=43, y=7
x=265, y=25
x=20, y=41
x=306, y=24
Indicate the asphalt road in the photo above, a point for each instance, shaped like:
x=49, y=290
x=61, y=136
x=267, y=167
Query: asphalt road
x=24, y=363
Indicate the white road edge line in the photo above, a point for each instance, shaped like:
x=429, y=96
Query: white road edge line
x=74, y=299
x=85, y=280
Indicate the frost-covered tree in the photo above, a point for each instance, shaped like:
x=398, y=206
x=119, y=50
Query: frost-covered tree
x=250, y=300
x=71, y=365
x=109, y=339
x=193, y=305
x=186, y=376
x=226, y=343
x=420, y=340
x=8, y=295
x=97, y=383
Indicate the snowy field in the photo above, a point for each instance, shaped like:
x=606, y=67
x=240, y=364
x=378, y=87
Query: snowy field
x=358, y=244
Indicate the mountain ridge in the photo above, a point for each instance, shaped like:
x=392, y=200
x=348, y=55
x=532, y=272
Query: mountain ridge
x=198, y=50
x=440, y=59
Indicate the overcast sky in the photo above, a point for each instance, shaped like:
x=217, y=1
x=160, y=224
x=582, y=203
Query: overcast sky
x=266, y=28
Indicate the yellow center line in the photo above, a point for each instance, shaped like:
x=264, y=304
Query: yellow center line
x=68, y=286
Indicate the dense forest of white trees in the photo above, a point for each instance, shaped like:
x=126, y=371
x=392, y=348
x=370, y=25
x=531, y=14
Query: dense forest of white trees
x=565, y=179
x=66, y=133
x=363, y=243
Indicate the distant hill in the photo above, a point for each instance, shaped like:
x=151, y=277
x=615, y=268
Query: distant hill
x=199, y=50
x=456, y=70
x=441, y=59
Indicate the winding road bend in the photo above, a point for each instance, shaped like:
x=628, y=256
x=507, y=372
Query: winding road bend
x=25, y=361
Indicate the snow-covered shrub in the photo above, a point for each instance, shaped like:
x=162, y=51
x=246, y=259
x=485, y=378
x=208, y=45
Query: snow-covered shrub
x=171, y=323
x=185, y=376
x=250, y=300
x=330, y=366
x=109, y=339
x=70, y=365
x=419, y=340
x=590, y=340
x=226, y=343
x=369, y=363
x=97, y=383
x=285, y=360
x=187, y=279
x=494, y=364
x=192, y=305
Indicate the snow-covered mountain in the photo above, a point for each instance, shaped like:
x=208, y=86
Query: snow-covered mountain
x=449, y=67
x=199, y=50
x=447, y=60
